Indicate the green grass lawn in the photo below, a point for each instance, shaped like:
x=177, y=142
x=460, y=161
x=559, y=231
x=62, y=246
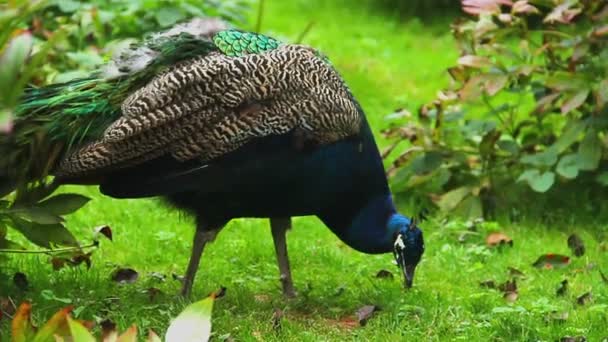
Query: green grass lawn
x=388, y=63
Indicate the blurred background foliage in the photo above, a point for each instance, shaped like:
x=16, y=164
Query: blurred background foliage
x=523, y=126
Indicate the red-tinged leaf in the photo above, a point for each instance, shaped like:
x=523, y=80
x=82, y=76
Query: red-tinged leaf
x=51, y=327
x=105, y=231
x=576, y=245
x=458, y=73
x=563, y=288
x=573, y=101
x=583, y=299
x=495, y=82
x=474, y=61
x=550, y=261
x=497, y=239
x=130, y=335
x=601, y=31
x=365, y=313
x=546, y=103
x=562, y=13
x=477, y=7
x=523, y=6
x=21, y=327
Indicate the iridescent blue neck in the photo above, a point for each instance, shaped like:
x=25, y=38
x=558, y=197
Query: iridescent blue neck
x=372, y=228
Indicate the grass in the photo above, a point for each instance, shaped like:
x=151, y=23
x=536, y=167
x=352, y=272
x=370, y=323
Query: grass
x=388, y=63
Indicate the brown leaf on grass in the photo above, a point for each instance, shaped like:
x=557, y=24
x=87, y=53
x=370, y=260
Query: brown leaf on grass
x=508, y=286
x=490, y=284
x=563, y=288
x=384, y=274
x=509, y=289
x=20, y=281
x=573, y=339
x=261, y=298
x=498, y=239
x=522, y=6
x=551, y=260
x=583, y=299
x=576, y=245
x=153, y=292
x=514, y=272
x=108, y=330
x=125, y=275
x=105, y=231
x=365, y=313
x=510, y=296
x=556, y=316
x=276, y=320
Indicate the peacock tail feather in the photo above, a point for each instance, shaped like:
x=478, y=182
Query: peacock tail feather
x=185, y=93
x=51, y=121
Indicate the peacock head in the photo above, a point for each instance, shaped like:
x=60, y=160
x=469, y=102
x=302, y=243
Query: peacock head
x=408, y=245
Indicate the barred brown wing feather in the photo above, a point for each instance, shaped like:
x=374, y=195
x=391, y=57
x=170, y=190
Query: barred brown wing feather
x=212, y=105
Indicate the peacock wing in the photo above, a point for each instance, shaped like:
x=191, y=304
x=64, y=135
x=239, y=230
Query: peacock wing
x=211, y=105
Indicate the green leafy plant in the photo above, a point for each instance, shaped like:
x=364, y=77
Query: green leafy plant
x=53, y=41
x=527, y=105
x=193, y=324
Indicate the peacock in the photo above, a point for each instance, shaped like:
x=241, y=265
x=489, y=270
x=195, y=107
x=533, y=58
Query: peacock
x=223, y=124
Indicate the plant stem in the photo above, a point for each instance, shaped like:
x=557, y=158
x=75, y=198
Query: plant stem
x=49, y=251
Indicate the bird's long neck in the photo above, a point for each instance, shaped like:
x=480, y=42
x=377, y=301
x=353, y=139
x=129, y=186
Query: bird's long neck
x=366, y=229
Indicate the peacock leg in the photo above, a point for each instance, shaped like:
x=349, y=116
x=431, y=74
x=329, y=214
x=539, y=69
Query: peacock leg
x=201, y=237
x=279, y=227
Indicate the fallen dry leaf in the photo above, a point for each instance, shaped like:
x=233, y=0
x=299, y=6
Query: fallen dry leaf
x=261, y=298
x=551, y=260
x=365, y=313
x=573, y=339
x=584, y=298
x=563, y=288
x=384, y=274
x=490, y=284
x=276, y=319
x=514, y=272
x=105, y=231
x=556, y=316
x=576, y=245
x=511, y=296
x=153, y=292
x=125, y=275
x=498, y=239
